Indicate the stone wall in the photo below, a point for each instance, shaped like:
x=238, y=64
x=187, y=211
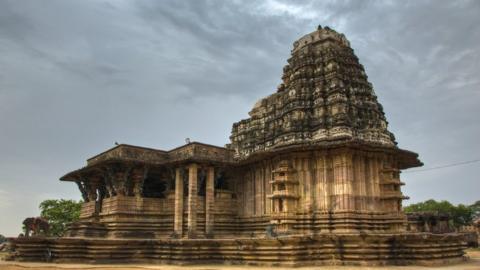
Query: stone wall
x=341, y=183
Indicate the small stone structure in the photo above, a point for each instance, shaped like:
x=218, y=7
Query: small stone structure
x=429, y=222
x=35, y=226
x=312, y=177
x=471, y=233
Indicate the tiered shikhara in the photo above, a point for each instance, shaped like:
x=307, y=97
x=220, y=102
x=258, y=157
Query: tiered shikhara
x=312, y=177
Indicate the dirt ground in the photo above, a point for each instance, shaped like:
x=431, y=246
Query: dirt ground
x=472, y=264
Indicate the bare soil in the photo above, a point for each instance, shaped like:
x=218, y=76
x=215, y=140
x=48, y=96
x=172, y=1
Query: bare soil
x=472, y=264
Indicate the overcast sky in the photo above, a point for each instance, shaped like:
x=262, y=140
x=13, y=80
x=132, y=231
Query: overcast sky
x=76, y=76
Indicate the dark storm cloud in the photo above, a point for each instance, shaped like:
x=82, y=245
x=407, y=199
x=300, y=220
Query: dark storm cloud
x=75, y=76
x=220, y=39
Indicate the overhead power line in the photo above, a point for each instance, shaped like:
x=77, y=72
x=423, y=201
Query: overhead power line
x=444, y=166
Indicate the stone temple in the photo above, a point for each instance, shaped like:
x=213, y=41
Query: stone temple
x=312, y=177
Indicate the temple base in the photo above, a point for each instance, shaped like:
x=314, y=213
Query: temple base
x=322, y=249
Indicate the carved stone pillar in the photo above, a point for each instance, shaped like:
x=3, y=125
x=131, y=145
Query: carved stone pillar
x=192, y=200
x=138, y=176
x=178, y=219
x=96, y=187
x=83, y=191
x=209, y=201
x=90, y=189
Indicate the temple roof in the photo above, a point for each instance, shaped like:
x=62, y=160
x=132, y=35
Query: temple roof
x=325, y=98
x=125, y=153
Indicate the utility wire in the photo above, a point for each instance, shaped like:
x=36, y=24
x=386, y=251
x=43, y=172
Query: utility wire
x=444, y=166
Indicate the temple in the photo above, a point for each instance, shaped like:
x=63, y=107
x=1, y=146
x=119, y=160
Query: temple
x=312, y=177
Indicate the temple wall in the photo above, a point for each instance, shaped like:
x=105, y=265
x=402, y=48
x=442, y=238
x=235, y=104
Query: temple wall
x=252, y=188
x=138, y=217
x=137, y=205
x=359, y=184
x=342, y=189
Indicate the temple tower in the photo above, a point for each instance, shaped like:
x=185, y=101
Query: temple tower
x=325, y=96
x=325, y=137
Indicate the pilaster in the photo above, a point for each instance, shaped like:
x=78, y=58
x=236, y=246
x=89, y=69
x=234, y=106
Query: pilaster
x=178, y=219
x=192, y=200
x=209, y=201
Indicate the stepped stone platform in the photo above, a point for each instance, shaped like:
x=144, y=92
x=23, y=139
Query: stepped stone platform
x=323, y=249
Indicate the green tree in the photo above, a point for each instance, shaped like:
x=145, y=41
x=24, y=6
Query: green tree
x=476, y=209
x=59, y=213
x=460, y=214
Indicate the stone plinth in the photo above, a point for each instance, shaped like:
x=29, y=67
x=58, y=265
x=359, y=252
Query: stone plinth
x=323, y=249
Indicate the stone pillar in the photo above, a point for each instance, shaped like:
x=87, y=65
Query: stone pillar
x=360, y=179
x=138, y=177
x=97, y=194
x=349, y=190
x=192, y=200
x=322, y=185
x=374, y=182
x=178, y=219
x=83, y=190
x=209, y=201
x=308, y=193
x=338, y=182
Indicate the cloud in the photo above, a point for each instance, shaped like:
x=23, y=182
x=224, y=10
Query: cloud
x=279, y=8
x=5, y=200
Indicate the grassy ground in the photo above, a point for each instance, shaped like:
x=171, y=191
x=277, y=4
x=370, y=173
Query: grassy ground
x=472, y=264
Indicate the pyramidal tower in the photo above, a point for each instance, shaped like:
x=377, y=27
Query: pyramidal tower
x=325, y=99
